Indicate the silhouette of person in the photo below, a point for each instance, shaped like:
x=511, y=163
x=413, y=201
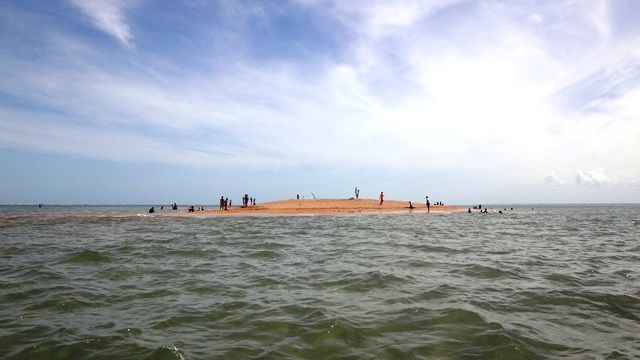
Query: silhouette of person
x=381, y=197
x=152, y=210
x=428, y=205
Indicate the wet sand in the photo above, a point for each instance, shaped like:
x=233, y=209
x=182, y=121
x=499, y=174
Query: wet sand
x=328, y=206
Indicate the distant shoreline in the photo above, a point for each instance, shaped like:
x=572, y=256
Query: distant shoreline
x=327, y=206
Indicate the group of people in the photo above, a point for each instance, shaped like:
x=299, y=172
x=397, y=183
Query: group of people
x=485, y=211
x=225, y=203
x=248, y=201
x=174, y=206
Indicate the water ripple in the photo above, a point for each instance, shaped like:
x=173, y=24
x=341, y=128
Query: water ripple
x=104, y=282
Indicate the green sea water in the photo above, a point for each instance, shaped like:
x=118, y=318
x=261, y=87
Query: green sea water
x=115, y=283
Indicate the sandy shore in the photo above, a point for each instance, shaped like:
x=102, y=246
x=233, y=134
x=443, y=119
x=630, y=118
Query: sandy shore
x=328, y=206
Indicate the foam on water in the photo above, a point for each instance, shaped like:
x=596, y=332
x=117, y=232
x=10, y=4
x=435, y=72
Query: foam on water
x=112, y=282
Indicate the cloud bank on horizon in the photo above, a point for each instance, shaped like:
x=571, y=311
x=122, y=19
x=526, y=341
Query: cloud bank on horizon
x=541, y=95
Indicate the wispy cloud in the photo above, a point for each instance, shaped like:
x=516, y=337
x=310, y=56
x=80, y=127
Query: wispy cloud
x=500, y=92
x=109, y=16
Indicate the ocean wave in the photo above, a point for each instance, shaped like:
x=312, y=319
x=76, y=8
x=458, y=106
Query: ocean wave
x=364, y=282
x=86, y=256
x=485, y=272
x=369, y=287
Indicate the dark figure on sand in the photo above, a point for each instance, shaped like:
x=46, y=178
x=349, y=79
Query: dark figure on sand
x=226, y=203
x=410, y=206
x=469, y=210
x=428, y=205
x=297, y=196
x=152, y=210
x=221, y=202
x=254, y=201
x=381, y=197
x=357, y=192
x=245, y=200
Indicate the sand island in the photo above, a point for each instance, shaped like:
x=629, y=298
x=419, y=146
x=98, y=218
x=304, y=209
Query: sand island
x=329, y=206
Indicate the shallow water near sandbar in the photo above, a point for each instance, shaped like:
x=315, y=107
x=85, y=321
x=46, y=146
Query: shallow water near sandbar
x=108, y=282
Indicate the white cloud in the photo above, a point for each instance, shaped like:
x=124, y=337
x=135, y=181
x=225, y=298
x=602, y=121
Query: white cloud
x=43, y=133
x=374, y=18
x=476, y=94
x=595, y=177
x=536, y=18
x=552, y=178
x=108, y=16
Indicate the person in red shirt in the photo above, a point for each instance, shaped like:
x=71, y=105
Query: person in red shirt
x=381, y=197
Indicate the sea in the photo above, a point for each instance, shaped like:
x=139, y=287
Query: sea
x=114, y=282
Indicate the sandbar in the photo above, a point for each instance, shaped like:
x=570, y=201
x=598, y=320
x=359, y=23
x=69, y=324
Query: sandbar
x=328, y=206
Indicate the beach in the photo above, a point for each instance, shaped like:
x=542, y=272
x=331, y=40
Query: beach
x=329, y=206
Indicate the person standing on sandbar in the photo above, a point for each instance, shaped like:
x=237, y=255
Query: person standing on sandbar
x=428, y=205
x=381, y=197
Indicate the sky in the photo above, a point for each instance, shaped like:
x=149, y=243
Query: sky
x=154, y=102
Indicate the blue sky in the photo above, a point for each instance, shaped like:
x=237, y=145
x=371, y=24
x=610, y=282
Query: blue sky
x=140, y=101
